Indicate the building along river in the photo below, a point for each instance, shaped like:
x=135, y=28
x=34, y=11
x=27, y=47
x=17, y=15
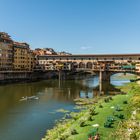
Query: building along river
x=28, y=110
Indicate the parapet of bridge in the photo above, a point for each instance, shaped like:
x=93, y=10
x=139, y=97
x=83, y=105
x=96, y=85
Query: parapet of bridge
x=107, y=63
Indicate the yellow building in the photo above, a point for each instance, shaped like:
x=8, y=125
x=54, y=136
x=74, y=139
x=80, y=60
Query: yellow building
x=6, y=52
x=23, y=57
x=31, y=60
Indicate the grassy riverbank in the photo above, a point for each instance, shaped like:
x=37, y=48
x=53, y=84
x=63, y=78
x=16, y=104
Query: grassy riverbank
x=96, y=114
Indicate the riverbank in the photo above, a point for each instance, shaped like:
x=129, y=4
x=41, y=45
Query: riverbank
x=101, y=115
x=130, y=129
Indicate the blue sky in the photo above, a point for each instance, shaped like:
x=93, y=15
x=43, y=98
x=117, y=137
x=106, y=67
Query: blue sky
x=76, y=26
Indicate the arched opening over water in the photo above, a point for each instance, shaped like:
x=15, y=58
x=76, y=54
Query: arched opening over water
x=74, y=65
x=89, y=65
x=81, y=65
x=123, y=77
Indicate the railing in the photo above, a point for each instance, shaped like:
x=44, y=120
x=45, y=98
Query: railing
x=83, y=69
x=106, y=69
x=12, y=71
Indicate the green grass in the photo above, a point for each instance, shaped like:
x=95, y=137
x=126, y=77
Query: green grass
x=134, y=119
x=100, y=118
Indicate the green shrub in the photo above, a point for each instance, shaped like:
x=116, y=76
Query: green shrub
x=106, y=100
x=125, y=102
x=74, y=116
x=63, y=137
x=82, y=123
x=90, y=118
x=92, y=111
x=100, y=106
x=74, y=132
x=110, y=98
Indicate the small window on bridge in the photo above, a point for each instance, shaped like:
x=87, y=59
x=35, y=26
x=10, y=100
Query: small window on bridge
x=67, y=59
x=74, y=59
x=81, y=58
x=46, y=58
x=60, y=59
x=89, y=58
x=139, y=58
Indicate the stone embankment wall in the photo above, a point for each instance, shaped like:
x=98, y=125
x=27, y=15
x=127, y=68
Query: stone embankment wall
x=14, y=77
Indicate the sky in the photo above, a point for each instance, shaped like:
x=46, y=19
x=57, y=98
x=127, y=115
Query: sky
x=75, y=26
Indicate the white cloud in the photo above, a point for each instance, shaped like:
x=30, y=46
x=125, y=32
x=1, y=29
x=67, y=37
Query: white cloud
x=85, y=47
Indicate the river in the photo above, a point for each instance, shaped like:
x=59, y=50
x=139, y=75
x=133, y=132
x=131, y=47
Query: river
x=22, y=118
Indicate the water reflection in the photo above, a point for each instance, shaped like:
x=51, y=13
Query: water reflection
x=119, y=82
x=106, y=88
x=29, y=119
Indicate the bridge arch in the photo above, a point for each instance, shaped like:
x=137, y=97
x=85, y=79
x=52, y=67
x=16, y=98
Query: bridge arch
x=82, y=65
x=74, y=65
x=89, y=65
x=122, y=73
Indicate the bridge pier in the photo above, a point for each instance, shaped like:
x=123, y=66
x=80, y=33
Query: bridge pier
x=104, y=76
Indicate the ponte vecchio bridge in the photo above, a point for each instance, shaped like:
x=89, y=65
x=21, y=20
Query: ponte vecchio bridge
x=103, y=64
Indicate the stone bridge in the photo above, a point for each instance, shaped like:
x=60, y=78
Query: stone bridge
x=103, y=64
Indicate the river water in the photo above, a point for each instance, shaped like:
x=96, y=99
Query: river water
x=22, y=118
